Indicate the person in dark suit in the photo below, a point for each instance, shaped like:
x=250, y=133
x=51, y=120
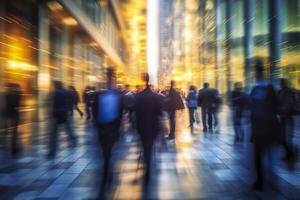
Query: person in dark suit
x=148, y=110
x=266, y=130
x=174, y=103
x=238, y=103
x=206, y=100
x=286, y=103
x=12, y=116
x=107, y=111
x=75, y=99
x=60, y=112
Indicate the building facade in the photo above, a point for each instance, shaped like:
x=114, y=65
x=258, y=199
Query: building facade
x=73, y=41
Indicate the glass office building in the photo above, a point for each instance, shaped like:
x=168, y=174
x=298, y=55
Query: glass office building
x=66, y=40
x=245, y=29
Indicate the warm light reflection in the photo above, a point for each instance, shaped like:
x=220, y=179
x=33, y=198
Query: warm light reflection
x=54, y=6
x=69, y=21
x=17, y=65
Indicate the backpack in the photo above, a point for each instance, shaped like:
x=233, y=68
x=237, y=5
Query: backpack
x=109, y=105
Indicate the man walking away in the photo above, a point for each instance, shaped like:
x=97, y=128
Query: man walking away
x=60, y=110
x=74, y=101
x=264, y=122
x=107, y=115
x=174, y=103
x=148, y=112
x=238, y=102
x=286, y=103
x=206, y=99
x=12, y=116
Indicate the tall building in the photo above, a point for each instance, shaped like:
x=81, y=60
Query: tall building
x=179, y=42
x=134, y=16
x=73, y=41
x=226, y=36
x=166, y=36
x=255, y=28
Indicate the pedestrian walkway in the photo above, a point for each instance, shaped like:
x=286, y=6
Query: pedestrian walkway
x=192, y=167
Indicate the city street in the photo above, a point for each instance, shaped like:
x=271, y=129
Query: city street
x=196, y=166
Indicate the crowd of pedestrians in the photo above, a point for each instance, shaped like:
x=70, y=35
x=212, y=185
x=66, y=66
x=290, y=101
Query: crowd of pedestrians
x=269, y=112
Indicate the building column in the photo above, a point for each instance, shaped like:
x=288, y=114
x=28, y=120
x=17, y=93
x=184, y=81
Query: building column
x=248, y=42
x=65, y=61
x=203, y=42
x=2, y=29
x=217, y=7
x=275, y=40
x=43, y=59
x=229, y=14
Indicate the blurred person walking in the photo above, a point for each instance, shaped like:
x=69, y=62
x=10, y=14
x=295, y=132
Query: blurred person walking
x=88, y=98
x=264, y=122
x=107, y=116
x=60, y=112
x=206, y=100
x=192, y=106
x=287, y=100
x=217, y=102
x=75, y=99
x=238, y=103
x=174, y=102
x=129, y=99
x=148, y=110
x=12, y=115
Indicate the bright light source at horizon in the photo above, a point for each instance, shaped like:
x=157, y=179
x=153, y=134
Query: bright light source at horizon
x=152, y=45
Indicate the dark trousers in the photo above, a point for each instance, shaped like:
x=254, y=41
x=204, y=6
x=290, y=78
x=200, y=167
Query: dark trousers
x=53, y=134
x=287, y=125
x=206, y=117
x=108, y=135
x=237, y=124
x=12, y=126
x=259, y=151
x=192, y=116
x=148, y=151
x=172, y=119
x=88, y=108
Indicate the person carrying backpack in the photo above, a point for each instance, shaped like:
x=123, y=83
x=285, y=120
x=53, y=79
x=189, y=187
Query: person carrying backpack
x=107, y=115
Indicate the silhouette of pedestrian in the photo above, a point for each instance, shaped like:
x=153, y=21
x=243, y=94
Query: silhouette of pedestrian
x=74, y=101
x=206, y=100
x=238, y=103
x=129, y=99
x=12, y=116
x=174, y=103
x=88, y=99
x=264, y=122
x=107, y=116
x=148, y=112
x=192, y=106
x=286, y=102
x=216, y=108
x=60, y=112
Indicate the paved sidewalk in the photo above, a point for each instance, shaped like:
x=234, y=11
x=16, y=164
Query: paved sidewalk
x=192, y=167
